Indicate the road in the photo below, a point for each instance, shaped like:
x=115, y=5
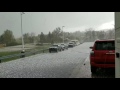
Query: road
x=71, y=63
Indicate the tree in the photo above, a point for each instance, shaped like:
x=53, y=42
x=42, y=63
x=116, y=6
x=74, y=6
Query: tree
x=101, y=35
x=32, y=37
x=29, y=38
x=42, y=38
x=49, y=37
x=1, y=39
x=38, y=38
x=8, y=38
x=111, y=34
x=26, y=38
x=57, y=35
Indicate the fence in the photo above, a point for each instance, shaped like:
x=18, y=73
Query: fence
x=22, y=54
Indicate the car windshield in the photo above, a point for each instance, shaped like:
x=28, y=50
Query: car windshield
x=109, y=45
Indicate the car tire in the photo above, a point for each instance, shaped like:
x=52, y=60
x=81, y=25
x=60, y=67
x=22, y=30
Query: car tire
x=93, y=69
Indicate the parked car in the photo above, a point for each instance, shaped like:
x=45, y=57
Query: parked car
x=55, y=48
x=65, y=46
x=62, y=46
x=102, y=55
x=71, y=44
x=76, y=42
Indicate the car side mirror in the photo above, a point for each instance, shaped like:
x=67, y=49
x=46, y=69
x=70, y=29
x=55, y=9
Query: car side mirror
x=91, y=47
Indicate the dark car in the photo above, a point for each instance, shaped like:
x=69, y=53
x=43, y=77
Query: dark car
x=102, y=55
x=55, y=48
x=71, y=44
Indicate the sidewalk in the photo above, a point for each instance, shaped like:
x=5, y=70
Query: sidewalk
x=84, y=71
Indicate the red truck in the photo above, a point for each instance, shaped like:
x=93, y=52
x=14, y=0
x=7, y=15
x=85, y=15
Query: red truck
x=102, y=55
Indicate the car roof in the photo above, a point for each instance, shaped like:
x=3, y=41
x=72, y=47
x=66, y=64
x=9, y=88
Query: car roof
x=100, y=40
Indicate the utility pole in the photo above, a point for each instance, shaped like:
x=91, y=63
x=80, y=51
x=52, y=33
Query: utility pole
x=63, y=33
x=22, y=31
x=23, y=51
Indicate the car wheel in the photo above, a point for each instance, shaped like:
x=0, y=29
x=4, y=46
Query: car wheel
x=93, y=69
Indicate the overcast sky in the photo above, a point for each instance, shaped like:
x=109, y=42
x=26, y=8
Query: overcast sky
x=38, y=22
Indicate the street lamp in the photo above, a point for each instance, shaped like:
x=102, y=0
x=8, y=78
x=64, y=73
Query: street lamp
x=22, y=31
x=63, y=33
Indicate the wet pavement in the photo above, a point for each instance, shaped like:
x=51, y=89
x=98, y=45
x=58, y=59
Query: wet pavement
x=84, y=72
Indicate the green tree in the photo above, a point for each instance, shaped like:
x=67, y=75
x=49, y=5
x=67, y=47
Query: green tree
x=1, y=39
x=49, y=37
x=42, y=38
x=57, y=35
x=26, y=37
x=32, y=37
x=8, y=38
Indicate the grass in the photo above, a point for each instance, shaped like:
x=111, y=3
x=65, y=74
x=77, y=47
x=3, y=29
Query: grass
x=9, y=53
x=37, y=48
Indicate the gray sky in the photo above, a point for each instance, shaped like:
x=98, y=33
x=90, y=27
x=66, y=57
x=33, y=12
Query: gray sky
x=38, y=22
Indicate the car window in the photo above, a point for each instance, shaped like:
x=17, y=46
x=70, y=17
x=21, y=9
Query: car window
x=110, y=45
